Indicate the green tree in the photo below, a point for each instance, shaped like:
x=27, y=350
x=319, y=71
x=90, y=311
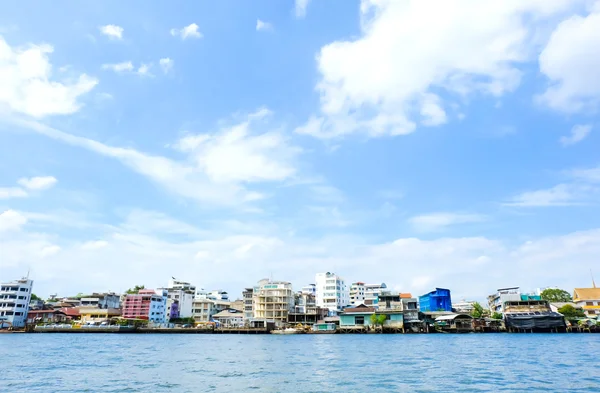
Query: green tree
x=135, y=290
x=478, y=310
x=497, y=315
x=553, y=295
x=571, y=312
x=35, y=297
x=378, y=320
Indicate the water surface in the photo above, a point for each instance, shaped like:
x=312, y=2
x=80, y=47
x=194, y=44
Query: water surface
x=300, y=363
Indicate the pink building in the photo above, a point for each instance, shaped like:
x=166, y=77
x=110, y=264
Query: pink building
x=147, y=304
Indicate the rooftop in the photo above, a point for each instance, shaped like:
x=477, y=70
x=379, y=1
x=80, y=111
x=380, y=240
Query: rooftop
x=586, y=293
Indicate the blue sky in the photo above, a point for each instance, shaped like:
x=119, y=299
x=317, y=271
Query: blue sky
x=223, y=142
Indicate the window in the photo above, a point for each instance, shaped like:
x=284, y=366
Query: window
x=589, y=303
x=359, y=320
x=21, y=297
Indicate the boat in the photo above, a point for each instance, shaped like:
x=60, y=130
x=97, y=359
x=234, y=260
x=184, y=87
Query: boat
x=285, y=331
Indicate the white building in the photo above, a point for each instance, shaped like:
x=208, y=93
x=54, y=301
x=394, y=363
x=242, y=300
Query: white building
x=14, y=302
x=332, y=292
x=204, y=309
x=464, y=306
x=502, y=295
x=216, y=294
x=182, y=292
x=310, y=289
x=101, y=300
x=372, y=292
x=357, y=293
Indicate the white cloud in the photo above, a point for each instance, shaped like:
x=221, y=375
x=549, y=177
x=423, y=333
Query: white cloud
x=27, y=87
x=237, y=154
x=263, y=26
x=94, y=245
x=393, y=77
x=571, y=61
x=113, y=32
x=578, y=133
x=591, y=175
x=126, y=66
x=559, y=195
x=144, y=70
x=300, y=7
x=166, y=64
x=49, y=250
x=190, y=31
x=38, y=182
x=11, y=220
x=12, y=192
x=438, y=221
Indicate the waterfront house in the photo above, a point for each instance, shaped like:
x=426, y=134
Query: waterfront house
x=14, y=302
x=204, y=309
x=532, y=315
x=95, y=315
x=456, y=323
x=101, y=300
x=464, y=306
x=230, y=317
x=46, y=316
x=503, y=295
x=367, y=294
x=438, y=300
x=589, y=300
x=358, y=317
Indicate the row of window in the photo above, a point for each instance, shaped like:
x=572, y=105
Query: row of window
x=8, y=313
x=13, y=289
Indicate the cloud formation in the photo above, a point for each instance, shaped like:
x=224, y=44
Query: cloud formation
x=112, y=31
x=189, y=31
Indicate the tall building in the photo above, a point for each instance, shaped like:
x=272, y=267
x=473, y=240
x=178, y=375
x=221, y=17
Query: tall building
x=14, y=302
x=332, y=292
x=273, y=300
x=357, y=293
x=204, y=309
x=372, y=292
x=147, y=304
x=310, y=289
x=183, y=293
x=248, y=295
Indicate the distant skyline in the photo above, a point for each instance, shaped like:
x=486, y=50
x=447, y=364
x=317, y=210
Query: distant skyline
x=225, y=142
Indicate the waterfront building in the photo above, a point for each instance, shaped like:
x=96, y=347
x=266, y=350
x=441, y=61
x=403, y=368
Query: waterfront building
x=204, y=309
x=305, y=310
x=173, y=309
x=247, y=296
x=438, y=300
x=46, y=316
x=455, y=323
x=503, y=295
x=273, y=301
x=464, y=306
x=230, y=317
x=216, y=294
x=404, y=302
x=372, y=292
x=147, y=304
x=532, y=315
x=589, y=300
x=14, y=302
x=360, y=317
x=331, y=292
x=101, y=300
x=95, y=315
x=183, y=292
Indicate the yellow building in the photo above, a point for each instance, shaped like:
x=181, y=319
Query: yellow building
x=97, y=315
x=589, y=300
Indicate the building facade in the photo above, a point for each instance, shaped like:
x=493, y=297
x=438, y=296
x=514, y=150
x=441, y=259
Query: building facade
x=101, y=300
x=95, y=315
x=503, y=295
x=438, y=300
x=14, y=302
x=310, y=289
x=273, y=301
x=589, y=300
x=147, y=304
x=464, y=306
x=357, y=293
x=372, y=292
x=331, y=292
x=247, y=296
x=203, y=310
x=183, y=293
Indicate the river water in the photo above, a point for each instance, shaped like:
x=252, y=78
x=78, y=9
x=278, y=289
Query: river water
x=299, y=363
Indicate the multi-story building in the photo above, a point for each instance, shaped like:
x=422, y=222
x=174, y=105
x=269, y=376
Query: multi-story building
x=357, y=293
x=101, y=300
x=503, y=295
x=14, y=302
x=204, y=309
x=248, y=295
x=589, y=300
x=464, y=306
x=394, y=301
x=372, y=292
x=216, y=294
x=332, y=292
x=310, y=289
x=273, y=301
x=172, y=309
x=146, y=304
x=438, y=300
x=184, y=299
x=96, y=315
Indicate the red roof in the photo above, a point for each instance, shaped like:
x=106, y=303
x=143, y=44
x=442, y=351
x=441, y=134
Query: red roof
x=30, y=312
x=70, y=311
x=405, y=295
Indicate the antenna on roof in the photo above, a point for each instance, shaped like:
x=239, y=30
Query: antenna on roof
x=30, y=269
x=593, y=282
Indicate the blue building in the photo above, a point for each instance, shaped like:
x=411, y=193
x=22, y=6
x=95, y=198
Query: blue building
x=438, y=300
